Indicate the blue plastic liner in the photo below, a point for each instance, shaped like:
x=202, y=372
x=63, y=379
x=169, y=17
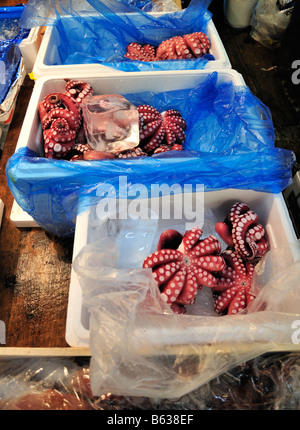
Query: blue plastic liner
x=10, y=30
x=101, y=32
x=11, y=34
x=10, y=57
x=229, y=144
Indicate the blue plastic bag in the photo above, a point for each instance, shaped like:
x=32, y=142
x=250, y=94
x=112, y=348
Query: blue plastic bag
x=10, y=30
x=229, y=144
x=10, y=57
x=102, y=31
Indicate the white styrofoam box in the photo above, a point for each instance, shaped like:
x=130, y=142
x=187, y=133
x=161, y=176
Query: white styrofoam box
x=21, y=218
x=7, y=116
x=48, y=60
x=270, y=208
x=131, y=82
x=29, y=47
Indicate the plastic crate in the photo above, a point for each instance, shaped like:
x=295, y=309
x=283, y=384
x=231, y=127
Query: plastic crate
x=28, y=40
x=132, y=82
x=273, y=215
x=48, y=61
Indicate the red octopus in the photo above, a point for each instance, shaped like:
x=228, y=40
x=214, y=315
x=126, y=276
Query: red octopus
x=188, y=46
x=64, y=136
x=242, y=232
x=130, y=153
x=146, y=52
x=232, y=290
x=247, y=244
x=183, y=47
x=160, y=129
x=61, y=119
x=181, y=265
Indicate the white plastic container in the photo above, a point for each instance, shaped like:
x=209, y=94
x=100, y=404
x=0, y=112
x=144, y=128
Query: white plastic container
x=239, y=12
x=7, y=107
x=48, y=60
x=131, y=82
x=29, y=47
x=272, y=213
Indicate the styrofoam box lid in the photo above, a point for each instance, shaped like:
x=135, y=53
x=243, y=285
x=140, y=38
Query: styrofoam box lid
x=125, y=82
x=273, y=215
x=48, y=48
x=29, y=47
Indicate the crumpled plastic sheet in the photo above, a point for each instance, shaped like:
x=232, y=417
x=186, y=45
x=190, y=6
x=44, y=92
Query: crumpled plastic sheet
x=100, y=31
x=10, y=58
x=10, y=30
x=267, y=382
x=269, y=21
x=229, y=144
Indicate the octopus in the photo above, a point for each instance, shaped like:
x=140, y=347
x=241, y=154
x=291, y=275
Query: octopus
x=232, y=290
x=183, y=264
x=146, y=52
x=78, y=90
x=241, y=232
x=166, y=129
x=184, y=47
x=64, y=136
x=246, y=245
x=131, y=153
x=61, y=119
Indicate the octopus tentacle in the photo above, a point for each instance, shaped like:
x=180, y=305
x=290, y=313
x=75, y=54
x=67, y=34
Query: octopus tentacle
x=157, y=137
x=148, y=113
x=61, y=120
x=162, y=148
x=242, y=232
x=61, y=131
x=129, y=153
x=184, y=47
x=232, y=289
x=180, y=272
x=197, y=42
x=160, y=132
x=169, y=239
x=78, y=90
x=69, y=116
x=146, y=52
x=53, y=101
x=56, y=149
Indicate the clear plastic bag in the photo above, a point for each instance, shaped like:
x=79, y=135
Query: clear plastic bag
x=269, y=21
x=268, y=382
x=44, y=384
x=10, y=58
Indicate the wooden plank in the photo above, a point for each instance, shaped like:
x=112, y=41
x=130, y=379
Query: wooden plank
x=13, y=352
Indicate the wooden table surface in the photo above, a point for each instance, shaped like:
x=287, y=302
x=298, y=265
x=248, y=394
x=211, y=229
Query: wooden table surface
x=36, y=266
